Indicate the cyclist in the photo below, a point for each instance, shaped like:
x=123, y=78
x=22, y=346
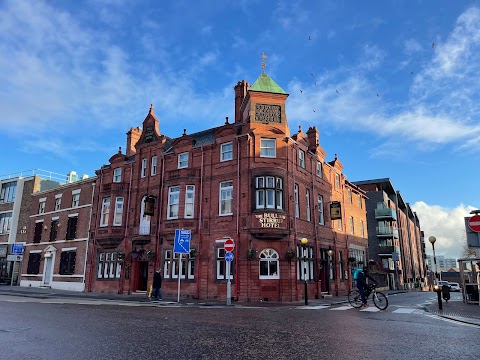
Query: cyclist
x=361, y=277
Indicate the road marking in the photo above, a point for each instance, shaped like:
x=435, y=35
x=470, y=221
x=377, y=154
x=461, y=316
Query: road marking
x=371, y=309
x=451, y=321
x=404, y=311
x=342, y=308
x=318, y=307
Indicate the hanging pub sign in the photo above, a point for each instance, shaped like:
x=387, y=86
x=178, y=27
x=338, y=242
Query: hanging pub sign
x=335, y=210
x=149, y=205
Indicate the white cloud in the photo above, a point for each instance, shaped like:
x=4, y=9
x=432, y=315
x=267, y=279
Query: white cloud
x=447, y=225
x=411, y=46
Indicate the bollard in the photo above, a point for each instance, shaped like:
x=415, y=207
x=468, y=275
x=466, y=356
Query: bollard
x=439, y=295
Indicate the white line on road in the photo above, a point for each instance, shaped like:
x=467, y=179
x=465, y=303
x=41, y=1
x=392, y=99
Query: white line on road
x=342, y=308
x=371, y=309
x=404, y=311
x=318, y=307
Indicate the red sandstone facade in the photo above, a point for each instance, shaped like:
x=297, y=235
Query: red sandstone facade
x=249, y=180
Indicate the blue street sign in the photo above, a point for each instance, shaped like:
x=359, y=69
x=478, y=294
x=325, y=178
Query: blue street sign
x=181, y=243
x=17, y=249
x=229, y=257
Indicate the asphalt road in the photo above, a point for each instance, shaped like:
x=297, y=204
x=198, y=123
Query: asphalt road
x=37, y=329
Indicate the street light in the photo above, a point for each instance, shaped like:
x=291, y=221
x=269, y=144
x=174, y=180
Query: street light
x=432, y=240
x=304, y=242
x=330, y=253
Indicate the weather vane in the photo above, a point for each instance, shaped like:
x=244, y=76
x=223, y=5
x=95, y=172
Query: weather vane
x=263, y=61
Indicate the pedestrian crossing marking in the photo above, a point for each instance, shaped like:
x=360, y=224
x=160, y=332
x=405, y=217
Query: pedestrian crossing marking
x=342, y=308
x=318, y=307
x=370, y=309
x=404, y=311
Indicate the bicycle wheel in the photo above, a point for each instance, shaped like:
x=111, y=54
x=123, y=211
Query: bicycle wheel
x=380, y=300
x=354, y=298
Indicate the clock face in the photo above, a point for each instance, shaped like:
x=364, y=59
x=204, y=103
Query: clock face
x=265, y=113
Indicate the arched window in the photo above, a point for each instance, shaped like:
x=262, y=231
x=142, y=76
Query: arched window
x=269, y=265
x=144, y=228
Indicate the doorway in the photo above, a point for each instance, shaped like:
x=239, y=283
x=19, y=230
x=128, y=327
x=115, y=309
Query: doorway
x=47, y=274
x=142, y=280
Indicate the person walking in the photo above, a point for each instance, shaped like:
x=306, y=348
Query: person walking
x=157, y=285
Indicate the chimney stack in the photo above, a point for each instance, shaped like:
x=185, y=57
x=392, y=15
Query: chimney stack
x=240, y=93
x=313, y=138
x=132, y=137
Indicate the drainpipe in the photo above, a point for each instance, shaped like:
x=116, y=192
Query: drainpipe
x=295, y=225
x=88, y=233
x=125, y=232
x=313, y=171
x=92, y=265
x=199, y=231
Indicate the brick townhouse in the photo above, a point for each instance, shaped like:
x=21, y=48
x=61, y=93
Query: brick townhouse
x=56, y=245
x=15, y=202
x=248, y=179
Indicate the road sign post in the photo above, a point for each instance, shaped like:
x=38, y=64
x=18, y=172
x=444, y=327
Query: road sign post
x=181, y=245
x=229, y=258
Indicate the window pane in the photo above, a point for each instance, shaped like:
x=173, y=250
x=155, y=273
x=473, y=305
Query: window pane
x=264, y=268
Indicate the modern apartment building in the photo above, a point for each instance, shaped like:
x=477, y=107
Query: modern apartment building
x=250, y=180
x=394, y=237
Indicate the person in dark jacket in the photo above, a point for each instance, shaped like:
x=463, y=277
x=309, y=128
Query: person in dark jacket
x=157, y=285
x=362, y=284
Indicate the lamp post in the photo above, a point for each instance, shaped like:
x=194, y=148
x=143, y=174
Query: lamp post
x=432, y=240
x=330, y=253
x=304, y=242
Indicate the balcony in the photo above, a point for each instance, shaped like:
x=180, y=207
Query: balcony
x=385, y=213
x=387, y=232
x=143, y=230
x=388, y=250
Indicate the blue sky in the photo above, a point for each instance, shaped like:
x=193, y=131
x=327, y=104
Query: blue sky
x=75, y=76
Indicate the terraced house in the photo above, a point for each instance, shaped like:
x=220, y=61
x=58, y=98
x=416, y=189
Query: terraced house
x=247, y=179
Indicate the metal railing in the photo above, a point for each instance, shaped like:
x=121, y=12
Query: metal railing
x=44, y=174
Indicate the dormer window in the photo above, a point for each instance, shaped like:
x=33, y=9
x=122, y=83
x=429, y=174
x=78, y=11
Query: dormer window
x=183, y=160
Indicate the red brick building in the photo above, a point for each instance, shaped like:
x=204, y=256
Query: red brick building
x=57, y=242
x=249, y=180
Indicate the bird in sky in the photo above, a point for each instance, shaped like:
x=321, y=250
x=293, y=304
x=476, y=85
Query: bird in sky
x=314, y=111
x=337, y=91
x=378, y=95
x=309, y=37
x=433, y=45
x=301, y=91
x=315, y=83
x=311, y=74
x=411, y=72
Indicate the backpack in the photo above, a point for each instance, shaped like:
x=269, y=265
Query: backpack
x=356, y=272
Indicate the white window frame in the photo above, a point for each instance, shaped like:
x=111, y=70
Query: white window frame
x=319, y=169
x=337, y=181
x=153, y=167
x=189, y=209
x=75, y=200
x=117, y=175
x=305, y=258
x=350, y=196
x=268, y=192
x=225, y=198
x=321, y=218
x=144, y=168
x=339, y=224
x=183, y=160
x=109, y=267
x=188, y=266
x=301, y=158
x=268, y=255
x=173, y=202
x=41, y=206
x=297, y=205
x=352, y=225
x=362, y=228
x=7, y=192
x=58, y=203
x=118, y=215
x=105, y=212
x=360, y=202
x=222, y=265
x=307, y=203
x=225, y=153
x=266, y=146
x=6, y=222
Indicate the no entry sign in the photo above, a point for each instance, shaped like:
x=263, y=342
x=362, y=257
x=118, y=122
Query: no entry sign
x=229, y=245
x=474, y=223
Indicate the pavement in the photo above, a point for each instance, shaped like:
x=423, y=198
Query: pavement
x=453, y=310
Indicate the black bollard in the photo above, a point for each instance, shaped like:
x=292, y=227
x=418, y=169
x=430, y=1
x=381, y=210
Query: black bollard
x=439, y=295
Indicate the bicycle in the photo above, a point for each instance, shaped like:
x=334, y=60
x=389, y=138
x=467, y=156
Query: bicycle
x=379, y=299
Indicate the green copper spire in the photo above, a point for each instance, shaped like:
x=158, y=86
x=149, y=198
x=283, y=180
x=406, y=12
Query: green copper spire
x=264, y=83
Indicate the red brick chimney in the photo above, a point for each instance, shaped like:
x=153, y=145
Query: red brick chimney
x=240, y=93
x=132, y=137
x=313, y=138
